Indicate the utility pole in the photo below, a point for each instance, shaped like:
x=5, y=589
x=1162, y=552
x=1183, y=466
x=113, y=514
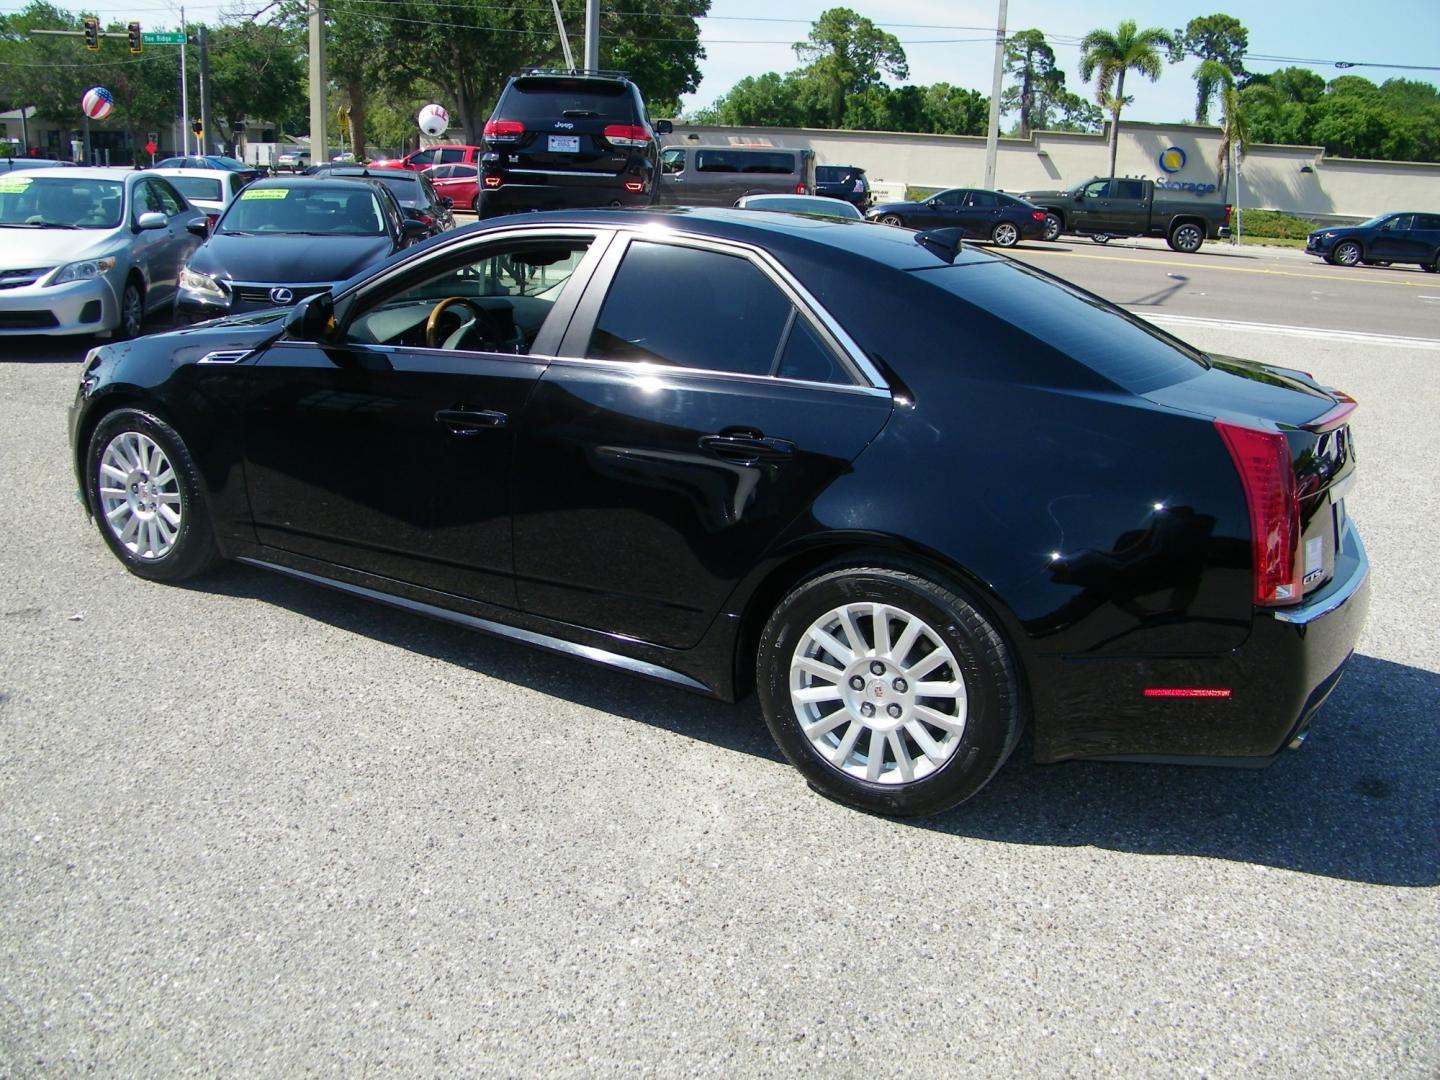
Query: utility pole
x=206, y=138
x=319, y=137
x=592, y=34
x=992, y=134
x=184, y=89
x=564, y=41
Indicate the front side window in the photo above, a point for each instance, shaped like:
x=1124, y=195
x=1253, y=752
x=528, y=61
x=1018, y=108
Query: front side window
x=684, y=307
x=1097, y=189
x=52, y=202
x=494, y=302
x=1399, y=223
x=165, y=195
x=424, y=158
x=451, y=155
x=672, y=161
x=954, y=197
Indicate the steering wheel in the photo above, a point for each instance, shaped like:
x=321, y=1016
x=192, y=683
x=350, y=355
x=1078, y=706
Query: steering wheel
x=432, y=324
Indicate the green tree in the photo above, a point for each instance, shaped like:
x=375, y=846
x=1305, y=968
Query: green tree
x=767, y=100
x=1221, y=39
x=1110, y=56
x=845, y=54
x=256, y=72
x=1234, y=129
x=1036, y=81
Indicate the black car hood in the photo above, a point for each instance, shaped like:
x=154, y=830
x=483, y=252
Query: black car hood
x=287, y=258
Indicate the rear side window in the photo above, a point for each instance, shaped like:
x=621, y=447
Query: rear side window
x=744, y=161
x=688, y=308
x=980, y=200
x=1101, y=337
x=544, y=100
x=452, y=155
x=1427, y=221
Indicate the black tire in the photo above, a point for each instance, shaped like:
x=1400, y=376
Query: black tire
x=476, y=204
x=1346, y=253
x=1053, y=226
x=1004, y=234
x=891, y=219
x=132, y=311
x=1431, y=267
x=192, y=550
x=1186, y=237
x=965, y=754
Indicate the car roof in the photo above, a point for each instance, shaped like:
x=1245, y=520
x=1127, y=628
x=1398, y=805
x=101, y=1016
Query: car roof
x=362, y=171
x=95, y=172
x=207, y=173
x=321, y=182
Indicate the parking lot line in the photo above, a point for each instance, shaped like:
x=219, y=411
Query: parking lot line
x=1227, y=269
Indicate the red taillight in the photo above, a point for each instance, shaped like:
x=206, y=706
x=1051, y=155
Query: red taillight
x=492, y=181
x=1038, y=215
x=1228, y=208
x=1267, y=474
x=634, y=185
x=626, y=134
x=1186, y=691
x=800, y=189
x=503, y=130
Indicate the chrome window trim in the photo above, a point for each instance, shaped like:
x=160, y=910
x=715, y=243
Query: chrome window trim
x=788, y=284
x=639, y=367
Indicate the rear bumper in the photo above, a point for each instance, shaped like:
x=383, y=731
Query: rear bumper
x=1273, y=686
x=559, y=192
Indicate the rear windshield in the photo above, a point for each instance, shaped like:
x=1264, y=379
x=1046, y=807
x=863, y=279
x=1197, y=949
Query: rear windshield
x=52, y=202
x=545, y=100
x=745, y=161
x=197, y=187
x=1105, y=339
x=305, y=211
x=406, y=189
x=834, y=174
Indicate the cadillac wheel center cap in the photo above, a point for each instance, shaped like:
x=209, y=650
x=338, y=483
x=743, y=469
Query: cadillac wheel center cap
x=877, y=690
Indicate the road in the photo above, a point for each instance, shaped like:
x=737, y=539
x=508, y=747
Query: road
x=1247, y=284
x=254, y=828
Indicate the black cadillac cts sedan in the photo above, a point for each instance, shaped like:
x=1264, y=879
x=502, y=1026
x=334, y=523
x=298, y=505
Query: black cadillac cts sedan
x=916, y=495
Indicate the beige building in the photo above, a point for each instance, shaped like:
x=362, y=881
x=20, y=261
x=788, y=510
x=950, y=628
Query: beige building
x=1296, y=179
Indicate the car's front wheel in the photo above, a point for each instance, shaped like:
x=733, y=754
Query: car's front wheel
x=1005, y=234
x=145, y=493
x=891, y=219
x=1346, y=253
x=888, y=691
x=132, y=310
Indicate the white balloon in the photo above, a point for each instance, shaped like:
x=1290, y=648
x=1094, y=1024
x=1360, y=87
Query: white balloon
x=433, y=120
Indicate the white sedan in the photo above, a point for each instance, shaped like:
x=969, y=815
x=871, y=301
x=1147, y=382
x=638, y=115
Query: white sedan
x=90, y=251
x=210, y=190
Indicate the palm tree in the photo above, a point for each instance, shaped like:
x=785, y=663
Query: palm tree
x=1112, y=56
x=1234, y=130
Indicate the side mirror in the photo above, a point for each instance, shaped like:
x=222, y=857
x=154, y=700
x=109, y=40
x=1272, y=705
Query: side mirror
x=312, y=319
x=664, y=127
x=200, y=228
x=1080, y=193
x=151, y=220
x=447, y=202
x=414, y=230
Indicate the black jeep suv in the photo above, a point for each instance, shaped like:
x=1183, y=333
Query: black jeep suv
x=569, y=139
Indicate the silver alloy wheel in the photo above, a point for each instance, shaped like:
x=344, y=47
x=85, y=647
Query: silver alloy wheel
x=1188, y=238
x=132, y=315
x=1052, y=227
x=1348, y=253
x=878, y=693
x=140, y=495
x=1005, y=234
x=890, y=219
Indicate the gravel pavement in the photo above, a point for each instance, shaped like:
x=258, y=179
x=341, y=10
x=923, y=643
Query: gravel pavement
x=255, y=828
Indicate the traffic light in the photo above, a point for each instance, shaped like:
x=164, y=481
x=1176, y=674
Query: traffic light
x=197, y=127
x=137, y=40
x=92, y=34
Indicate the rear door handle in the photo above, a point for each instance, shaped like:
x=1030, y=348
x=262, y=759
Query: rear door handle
x=469, y=421
x=746, y=448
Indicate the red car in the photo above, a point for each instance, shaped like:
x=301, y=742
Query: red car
x=450, y=154
x=460, y=182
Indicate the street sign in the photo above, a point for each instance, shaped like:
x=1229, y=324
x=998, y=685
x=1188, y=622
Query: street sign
x=151, y=147
x=165, y=38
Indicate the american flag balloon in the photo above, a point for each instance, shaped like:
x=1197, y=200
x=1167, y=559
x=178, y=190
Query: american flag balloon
x=98, y=103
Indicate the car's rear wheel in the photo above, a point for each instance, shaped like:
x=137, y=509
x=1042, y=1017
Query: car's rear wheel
x=1005, y=234
x=145, y=493
x=1052, y=227
x=1346, y=253
x=891, y=219
x=887, y=690
x=1432, y=267
x=1187, y=237
x=476, y=205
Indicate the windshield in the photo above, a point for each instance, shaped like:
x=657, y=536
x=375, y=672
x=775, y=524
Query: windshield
x=197, y=187
x=306, y=211
x=1376, y=220
x=53, y=202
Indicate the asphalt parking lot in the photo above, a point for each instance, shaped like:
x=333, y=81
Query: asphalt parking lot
x=254, y=827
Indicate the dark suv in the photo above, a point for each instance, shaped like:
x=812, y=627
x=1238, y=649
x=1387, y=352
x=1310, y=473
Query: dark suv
x=846, y=182
x=569, y=139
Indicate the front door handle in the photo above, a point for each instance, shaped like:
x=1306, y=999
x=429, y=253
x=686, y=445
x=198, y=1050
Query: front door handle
x=469, y=421
x=747, y=448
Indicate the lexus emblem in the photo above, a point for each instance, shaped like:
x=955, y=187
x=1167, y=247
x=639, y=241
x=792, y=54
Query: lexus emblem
x=282, y=295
